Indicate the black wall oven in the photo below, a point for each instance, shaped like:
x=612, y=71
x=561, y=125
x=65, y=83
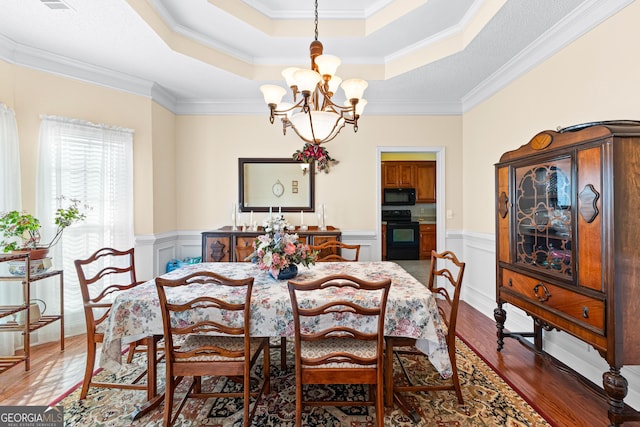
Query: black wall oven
x=403, y=235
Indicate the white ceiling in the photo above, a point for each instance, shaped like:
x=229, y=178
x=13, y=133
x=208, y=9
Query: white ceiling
x=210, y=57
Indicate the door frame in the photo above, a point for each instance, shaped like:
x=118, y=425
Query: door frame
x=440, y=194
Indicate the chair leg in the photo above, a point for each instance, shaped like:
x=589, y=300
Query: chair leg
x=88, y=370
x=168, y=401
x=456, y=379
x=132, y=352
x=380, y=403
x=283, y=353
x=299, y=405
x=388, y=373
x=267, y=369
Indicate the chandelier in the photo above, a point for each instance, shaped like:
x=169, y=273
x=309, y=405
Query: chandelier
x=315, y=117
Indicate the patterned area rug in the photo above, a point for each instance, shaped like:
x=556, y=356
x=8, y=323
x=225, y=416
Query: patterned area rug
x=489, y=401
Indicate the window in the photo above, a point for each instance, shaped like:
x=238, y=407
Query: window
x=92, y=163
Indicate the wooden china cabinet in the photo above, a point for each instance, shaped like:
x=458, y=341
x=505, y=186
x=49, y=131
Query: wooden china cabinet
x=567, y=252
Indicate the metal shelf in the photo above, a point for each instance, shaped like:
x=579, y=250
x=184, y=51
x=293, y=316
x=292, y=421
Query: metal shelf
x=7, y=362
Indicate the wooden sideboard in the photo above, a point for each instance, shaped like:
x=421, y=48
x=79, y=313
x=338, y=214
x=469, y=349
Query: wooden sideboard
x=567, y=252
x=219, y=245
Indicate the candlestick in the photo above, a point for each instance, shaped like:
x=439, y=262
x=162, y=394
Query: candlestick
x=269, y=213
x=301, y=217
x=251, y=218
x=279, y=210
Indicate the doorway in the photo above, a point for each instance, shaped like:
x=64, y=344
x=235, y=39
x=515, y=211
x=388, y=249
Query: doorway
x=440, y=195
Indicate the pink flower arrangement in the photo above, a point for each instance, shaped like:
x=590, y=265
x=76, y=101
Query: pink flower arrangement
x=311, y=152
x=278, y=249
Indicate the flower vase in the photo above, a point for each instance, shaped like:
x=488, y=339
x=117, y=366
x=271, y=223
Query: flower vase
x=286, y=273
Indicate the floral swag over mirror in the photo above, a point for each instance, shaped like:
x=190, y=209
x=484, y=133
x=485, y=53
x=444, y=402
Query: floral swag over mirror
x=311, y=152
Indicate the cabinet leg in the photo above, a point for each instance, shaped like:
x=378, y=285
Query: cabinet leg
x=501, y=316
x=616, y=387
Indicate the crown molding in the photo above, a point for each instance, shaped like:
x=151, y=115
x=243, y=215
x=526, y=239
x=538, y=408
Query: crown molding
x=589, y=15
x=586, y=17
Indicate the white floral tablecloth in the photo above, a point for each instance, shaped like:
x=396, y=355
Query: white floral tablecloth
x=411, y=308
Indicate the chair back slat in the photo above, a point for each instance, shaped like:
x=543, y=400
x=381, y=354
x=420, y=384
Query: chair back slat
x=344, y=307
x=451, y=275
x=332, y=251
x=101, y=276
x=214, y=304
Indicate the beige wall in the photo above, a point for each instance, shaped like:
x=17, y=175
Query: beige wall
x=594, y=78
x=32, y=93
x=6, y=84
x=186, y=166
x=208, y=148
x=164, y=183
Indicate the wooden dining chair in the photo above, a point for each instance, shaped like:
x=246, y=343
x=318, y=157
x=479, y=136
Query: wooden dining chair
x=191, y=350
x=101, y=276
x=445, y=267
x=333, y=251
x=242, y=252
x=339, y=337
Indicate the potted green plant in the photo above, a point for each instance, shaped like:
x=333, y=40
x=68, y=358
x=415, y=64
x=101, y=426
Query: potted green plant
x=20, y=231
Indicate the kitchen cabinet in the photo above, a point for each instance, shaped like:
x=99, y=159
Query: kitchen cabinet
x=30, y=325
x=398, y=174
x=420, y=175
x=567, y=206
x=219, y=245
x=427, y=240
x=425, y=179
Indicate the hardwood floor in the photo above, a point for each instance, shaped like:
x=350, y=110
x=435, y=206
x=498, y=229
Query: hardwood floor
x=558, y=395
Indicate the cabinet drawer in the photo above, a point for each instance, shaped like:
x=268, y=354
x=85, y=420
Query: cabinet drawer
x=427, y=228
x=566, y=303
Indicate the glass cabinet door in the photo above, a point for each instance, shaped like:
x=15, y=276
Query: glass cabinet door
x=543, y=217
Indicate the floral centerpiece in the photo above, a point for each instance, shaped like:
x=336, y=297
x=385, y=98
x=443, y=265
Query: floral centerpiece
x=279, y=252
x=311, y=152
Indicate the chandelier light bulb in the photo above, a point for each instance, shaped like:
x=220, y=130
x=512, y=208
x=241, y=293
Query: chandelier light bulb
x=272, y=94
x=288, y=73
x=354, y=88
x=325, y=124
x=327, y=64
x=307, y=80
x=334, y=84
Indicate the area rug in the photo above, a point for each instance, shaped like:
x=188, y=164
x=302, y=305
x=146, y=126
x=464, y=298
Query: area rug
x=488, y=401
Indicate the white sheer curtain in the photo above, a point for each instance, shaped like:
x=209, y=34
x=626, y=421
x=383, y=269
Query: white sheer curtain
x=92, y=163
x=9, y=200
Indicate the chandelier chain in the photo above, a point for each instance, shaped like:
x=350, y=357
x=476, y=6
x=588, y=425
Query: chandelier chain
x=316, y=20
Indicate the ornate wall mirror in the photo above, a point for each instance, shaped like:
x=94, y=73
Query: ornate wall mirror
x=276, y=183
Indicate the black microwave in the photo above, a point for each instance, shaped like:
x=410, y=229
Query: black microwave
x=399, y=196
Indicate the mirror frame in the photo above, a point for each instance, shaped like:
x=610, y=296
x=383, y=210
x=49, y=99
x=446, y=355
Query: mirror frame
x=241, y=196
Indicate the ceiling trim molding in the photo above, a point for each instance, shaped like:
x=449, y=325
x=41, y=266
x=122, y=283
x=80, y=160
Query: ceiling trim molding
x=566, y=31
x=589, y=15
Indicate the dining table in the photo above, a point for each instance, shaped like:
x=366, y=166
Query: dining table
x=411, y=310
